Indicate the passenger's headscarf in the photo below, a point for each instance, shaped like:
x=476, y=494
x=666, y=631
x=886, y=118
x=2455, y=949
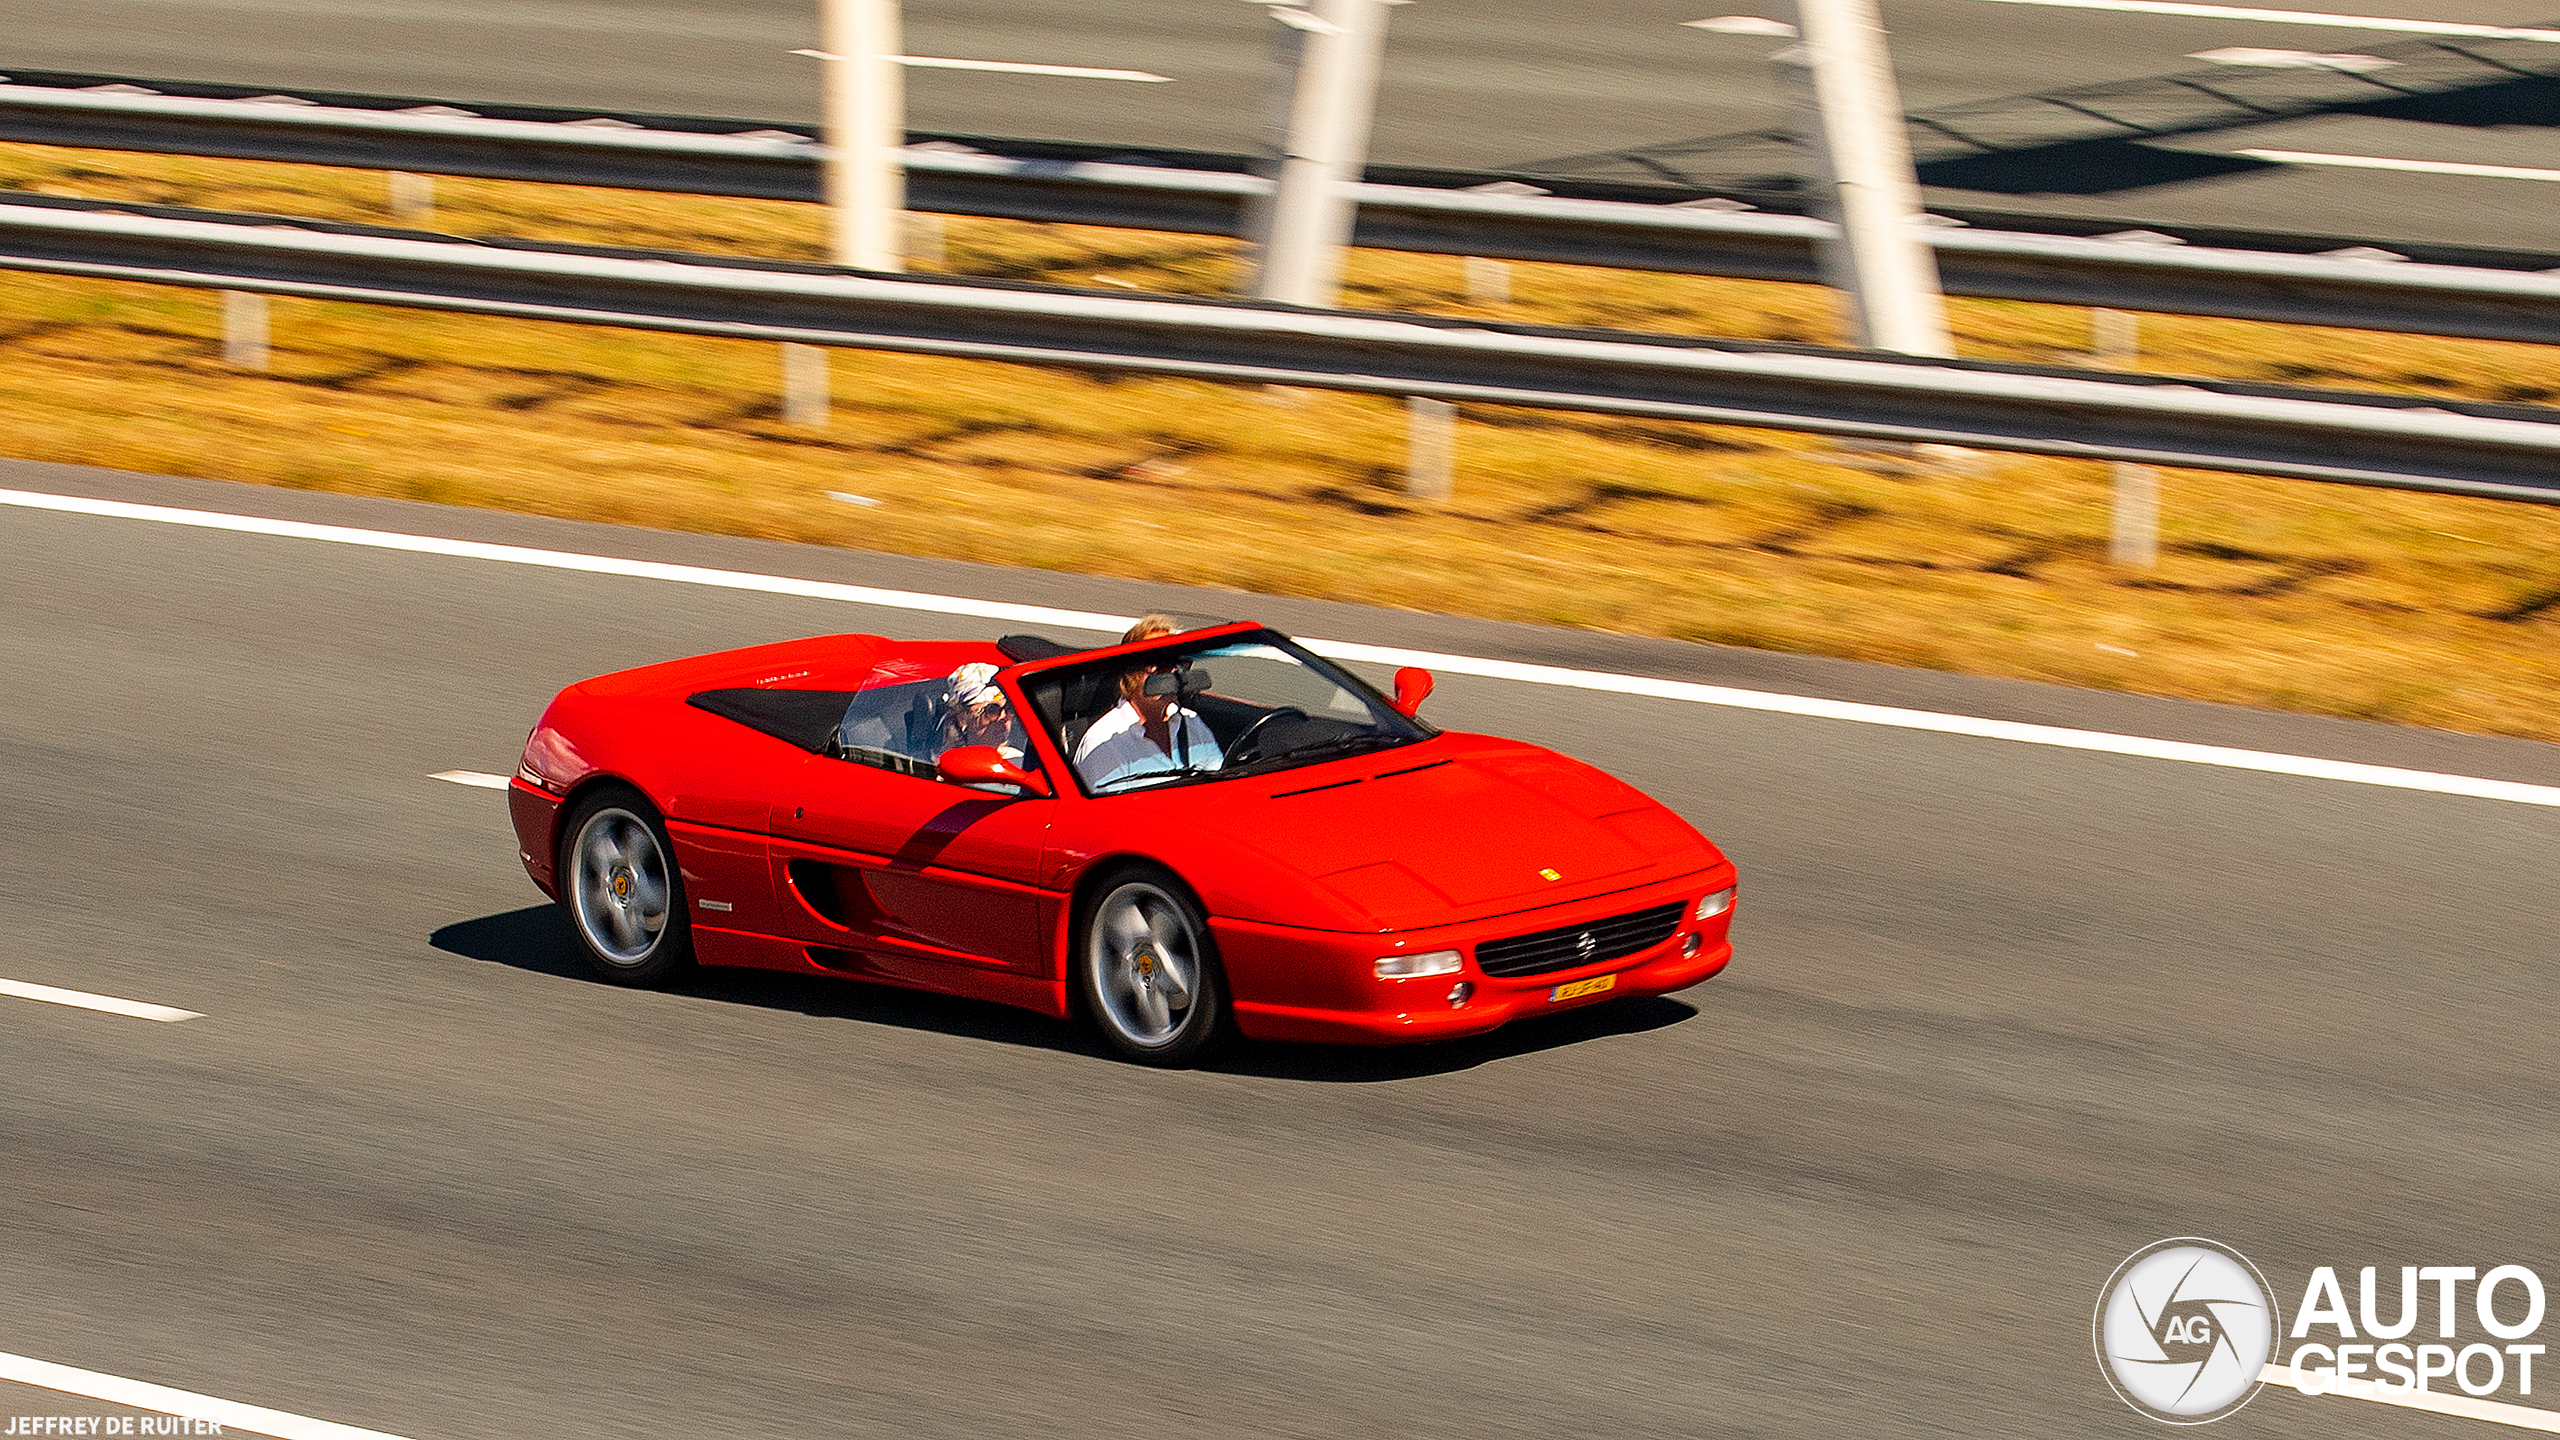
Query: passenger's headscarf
x=972, y=685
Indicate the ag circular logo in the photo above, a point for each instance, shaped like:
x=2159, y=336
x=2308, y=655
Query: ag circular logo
x=2184, y=1330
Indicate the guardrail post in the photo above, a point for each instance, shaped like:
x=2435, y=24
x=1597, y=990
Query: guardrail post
x=244, y=329
x=1850, y=114
x=2115, y=337
x=1336, y=46
x=2135, y=538
x=2134, y=532
x=413, y=198
x=804, y=385
x=1431, y=448
x=866, y=113
x=927, y=238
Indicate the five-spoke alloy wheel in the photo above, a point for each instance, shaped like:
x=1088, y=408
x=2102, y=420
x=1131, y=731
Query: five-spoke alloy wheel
x=624, y=895
x=1148, y=973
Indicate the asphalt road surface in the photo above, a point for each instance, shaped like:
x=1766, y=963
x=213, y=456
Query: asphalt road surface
x=1475, y=84
x=2003, y=1013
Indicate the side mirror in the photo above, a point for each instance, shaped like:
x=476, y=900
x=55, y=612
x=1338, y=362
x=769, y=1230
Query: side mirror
x=985, y=765
x=1413, y=686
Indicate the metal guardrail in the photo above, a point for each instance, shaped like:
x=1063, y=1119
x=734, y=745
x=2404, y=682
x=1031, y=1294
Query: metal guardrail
x=2503, y=452
x=2469, y=301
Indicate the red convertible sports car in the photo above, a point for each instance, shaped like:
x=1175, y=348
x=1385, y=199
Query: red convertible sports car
x=1205, y=831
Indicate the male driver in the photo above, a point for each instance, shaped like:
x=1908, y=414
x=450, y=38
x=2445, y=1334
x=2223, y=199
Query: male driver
x=1144, y=735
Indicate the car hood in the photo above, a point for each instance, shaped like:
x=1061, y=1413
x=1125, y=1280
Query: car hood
x=1458, y=829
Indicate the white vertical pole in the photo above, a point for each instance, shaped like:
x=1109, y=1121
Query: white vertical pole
x=804, y=386
x=1881, y=264
x=1324, y=151
x=2115, y=338
x=244, y=329
x=1488, y=281
x=1431, y=448
x=1288, y=63
x=866, y=113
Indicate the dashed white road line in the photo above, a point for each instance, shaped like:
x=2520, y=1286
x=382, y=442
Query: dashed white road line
x=2468, y=1407
x=2383, y=162
x=83, y=1000
x=477, y=779
x=141, y=1395
x=2294, y=59
x=2302, y=17
x=1854, y=712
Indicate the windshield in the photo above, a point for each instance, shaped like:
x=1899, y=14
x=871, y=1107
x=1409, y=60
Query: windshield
x=1241, y=705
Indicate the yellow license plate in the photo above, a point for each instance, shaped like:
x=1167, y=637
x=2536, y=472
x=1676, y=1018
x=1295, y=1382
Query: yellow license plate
x=1580, y=988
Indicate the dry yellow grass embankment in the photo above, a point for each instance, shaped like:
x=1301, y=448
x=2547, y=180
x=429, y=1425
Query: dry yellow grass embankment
x=2409, y=608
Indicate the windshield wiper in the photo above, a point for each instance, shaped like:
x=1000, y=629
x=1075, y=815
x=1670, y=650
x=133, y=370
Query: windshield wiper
x=1173, y=772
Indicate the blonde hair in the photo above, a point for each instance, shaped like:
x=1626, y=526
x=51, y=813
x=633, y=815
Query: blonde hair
x=1149, y=627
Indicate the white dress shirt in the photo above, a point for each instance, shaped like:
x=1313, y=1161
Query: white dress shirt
x=1117, y=746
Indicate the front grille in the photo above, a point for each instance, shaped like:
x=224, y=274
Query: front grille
x=1563, y=949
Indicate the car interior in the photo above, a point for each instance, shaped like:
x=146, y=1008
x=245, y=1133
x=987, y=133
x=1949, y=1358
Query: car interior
x=1072, y=703
x=896, y=727
x=899, y=726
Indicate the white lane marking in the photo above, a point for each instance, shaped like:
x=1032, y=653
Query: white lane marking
x=83, y=1000
x=230, y=1414
x=1004, y=67
x=2421, y=167
x=2310, y=767
x=2293, y=59
x=1744, y=25
x=1017, y=67
x=2300, y=17
x=478, y=779
x=2523, y=1417
x=566, y=560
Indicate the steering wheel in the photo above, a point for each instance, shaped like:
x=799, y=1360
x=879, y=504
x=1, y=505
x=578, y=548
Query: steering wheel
x=1244, y=743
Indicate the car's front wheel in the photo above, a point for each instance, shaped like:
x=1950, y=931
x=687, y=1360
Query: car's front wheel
x=1148, y=972
x=624, y=895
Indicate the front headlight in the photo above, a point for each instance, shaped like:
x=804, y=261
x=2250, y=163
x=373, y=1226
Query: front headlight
x=1407, y=967
x=1716, y=904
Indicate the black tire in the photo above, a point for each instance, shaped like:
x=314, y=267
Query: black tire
x=623, y=890
x=1147, y=970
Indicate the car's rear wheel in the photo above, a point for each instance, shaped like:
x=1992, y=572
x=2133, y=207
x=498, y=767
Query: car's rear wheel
x=623, y=892
x=1148, y=972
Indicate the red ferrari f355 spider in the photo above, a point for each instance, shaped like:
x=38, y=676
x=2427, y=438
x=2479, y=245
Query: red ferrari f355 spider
x=1202, y=832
